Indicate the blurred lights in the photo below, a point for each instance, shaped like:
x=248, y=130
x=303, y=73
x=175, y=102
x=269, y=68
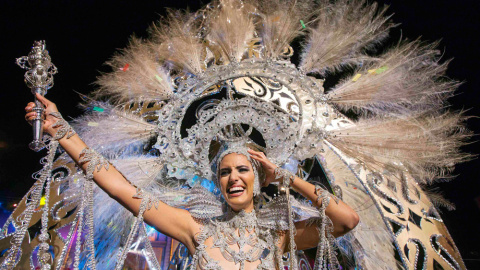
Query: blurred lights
x=3, y=144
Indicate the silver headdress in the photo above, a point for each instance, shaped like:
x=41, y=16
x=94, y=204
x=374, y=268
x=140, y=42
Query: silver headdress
x=228, y=70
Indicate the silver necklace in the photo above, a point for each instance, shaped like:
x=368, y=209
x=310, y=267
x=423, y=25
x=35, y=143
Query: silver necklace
x=240, y=229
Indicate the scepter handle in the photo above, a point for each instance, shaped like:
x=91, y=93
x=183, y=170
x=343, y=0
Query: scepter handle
x=37, y=143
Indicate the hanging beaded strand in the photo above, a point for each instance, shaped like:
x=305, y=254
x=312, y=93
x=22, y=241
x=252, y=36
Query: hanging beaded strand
x=43, y=255
x=139, y=220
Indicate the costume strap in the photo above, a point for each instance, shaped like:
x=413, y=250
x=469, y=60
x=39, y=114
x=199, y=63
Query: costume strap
x=64, y=128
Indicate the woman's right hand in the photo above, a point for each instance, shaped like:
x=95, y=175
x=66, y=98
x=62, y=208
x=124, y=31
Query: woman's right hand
x=49, y=120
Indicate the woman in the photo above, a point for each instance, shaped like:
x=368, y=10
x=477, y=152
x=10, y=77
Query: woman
x=234, y=241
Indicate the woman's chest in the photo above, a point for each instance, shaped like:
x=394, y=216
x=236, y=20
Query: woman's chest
x=222, y=246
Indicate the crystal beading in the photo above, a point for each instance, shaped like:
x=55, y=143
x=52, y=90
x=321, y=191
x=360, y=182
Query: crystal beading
x=64, y=128
x=148, y=201
x=285, y=176
x=239, y=229
x=292, y=231
x=326, y=257
x=95, y=161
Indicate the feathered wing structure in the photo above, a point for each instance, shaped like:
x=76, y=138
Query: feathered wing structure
x=168, y=88
x=136, y=76
x=343, y=30
x=406, y=78
x=426, y=144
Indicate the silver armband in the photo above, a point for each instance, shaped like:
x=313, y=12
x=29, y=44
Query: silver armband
x=324, y=196
x=64, y=128
x=287, y=177
x=95, y=161
x=148, y=199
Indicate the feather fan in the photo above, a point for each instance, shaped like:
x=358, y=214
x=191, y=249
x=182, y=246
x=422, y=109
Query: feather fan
x=406, y=78
x=343, y=29
x=425, y=144
x=230, y=29
x=113, y=131
x=281, y=22
x=136, y=76
x=176, y=40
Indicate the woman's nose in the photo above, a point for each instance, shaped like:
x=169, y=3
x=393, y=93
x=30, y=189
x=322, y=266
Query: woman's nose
x=234, y=176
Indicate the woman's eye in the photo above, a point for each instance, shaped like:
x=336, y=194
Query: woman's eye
x=243, y=170
x=223, y=173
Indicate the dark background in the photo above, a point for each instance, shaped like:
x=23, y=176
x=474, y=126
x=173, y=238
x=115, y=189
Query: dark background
x=82, y=35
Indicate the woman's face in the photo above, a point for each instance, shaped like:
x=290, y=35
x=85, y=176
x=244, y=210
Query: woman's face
x=237, y=181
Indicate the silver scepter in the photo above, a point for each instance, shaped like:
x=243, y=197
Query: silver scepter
x=39, y=78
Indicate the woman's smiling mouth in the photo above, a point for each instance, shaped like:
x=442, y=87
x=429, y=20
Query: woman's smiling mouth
x=235, y=191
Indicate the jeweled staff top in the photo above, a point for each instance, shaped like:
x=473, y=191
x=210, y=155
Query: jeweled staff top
x=39, y=78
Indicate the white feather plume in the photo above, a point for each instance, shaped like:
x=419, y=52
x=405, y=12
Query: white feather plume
x=343, y=30
x=409, y=77
x=426, y=144
x=177, y=40
x=280, y=22
x=142, y=171
x=136, y=76
x=230, y=29
x=113, y=131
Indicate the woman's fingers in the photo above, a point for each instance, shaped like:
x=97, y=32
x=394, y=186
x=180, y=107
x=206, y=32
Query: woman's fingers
x=30, y=115
x=43, y=100
x=29, y=107
x=257, y=155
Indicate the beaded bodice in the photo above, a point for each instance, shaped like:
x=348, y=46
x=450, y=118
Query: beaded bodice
x=236, y=241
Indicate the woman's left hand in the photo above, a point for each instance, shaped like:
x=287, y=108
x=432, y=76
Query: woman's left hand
x=267, y=165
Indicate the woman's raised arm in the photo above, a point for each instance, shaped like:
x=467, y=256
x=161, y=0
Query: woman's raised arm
x=343, y=217
x=176, y=223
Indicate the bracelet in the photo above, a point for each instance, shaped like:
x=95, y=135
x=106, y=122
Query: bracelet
x=95, y=161
x=147, y=198
x=64, y=130
x=325, y=196
x=287, y=177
